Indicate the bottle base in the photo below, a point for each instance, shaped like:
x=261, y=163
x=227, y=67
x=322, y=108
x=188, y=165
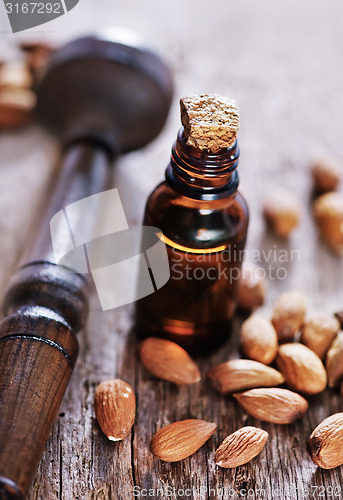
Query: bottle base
x=196, y=339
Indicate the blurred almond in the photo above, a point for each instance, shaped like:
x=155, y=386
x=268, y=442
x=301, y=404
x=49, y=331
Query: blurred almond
x=282, y=212
x=275, y=405
x=37, y=54
x=115, y=407
x=326, y=174
x=240, y=447
x=339, y=316
x=259, y=339
x=319, y=332
x=325, y=444
x=328, y=212
x=252, y=287
x=16, y=106
x=240, y=374
x=334, y=361
x=181, y=439
x=15, y=74
x=288, y=314
x=302, y=368
x=168, y=361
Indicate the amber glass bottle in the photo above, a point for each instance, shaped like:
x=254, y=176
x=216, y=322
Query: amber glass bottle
x=204, y=222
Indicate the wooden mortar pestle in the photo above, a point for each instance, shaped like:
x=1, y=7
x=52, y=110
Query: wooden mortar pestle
x=102, y=98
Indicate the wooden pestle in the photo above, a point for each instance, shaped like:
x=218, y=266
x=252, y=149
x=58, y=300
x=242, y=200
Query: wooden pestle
x=103, y=98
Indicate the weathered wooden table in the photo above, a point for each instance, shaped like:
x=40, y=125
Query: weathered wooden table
x=283, y=63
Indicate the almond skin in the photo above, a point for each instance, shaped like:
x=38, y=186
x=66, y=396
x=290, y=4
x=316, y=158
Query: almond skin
x=115, y=408
x=334, y=361
x=326, y=174
x=339, y=316
x=259, y=339
x=241, y=374
x=278, y=406
x=325, y=444
x=168, y=361
x=302, y=368
x=288, y=315
x=240, y=447
x=282, y=212
x=319, y=332
x=181, y=439
x=252, y=287
x=16, y=106
x=328, y=213
x=15, y=74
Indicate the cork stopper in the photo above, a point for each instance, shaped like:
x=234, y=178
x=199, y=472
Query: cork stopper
x=210, y=121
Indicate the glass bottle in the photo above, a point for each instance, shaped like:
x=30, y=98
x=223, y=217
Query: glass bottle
x=203, y=221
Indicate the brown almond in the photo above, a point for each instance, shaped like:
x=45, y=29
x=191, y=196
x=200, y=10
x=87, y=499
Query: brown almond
x=168, y=361
x=252, y=287
x=259, y=339
x=334, y=361
x=16, y=106
x=325, y=444
x=326, y=174
x=328, y=212
x=339, y=316
x=240, y=447
x=115, y=407
x=288, y=314
x=302, y=368
x=37, y=53
x=181, y=439
x=15, y=74
x=275, y=405
x=282, y=212
x=241, y=374
x=319, y=332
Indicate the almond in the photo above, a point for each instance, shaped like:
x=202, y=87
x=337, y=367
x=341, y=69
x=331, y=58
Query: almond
x=339, y=316
x=282, y=212
x=240, y=447
x=334, y=361
x=115, y=407
x=240, y=374
x=319, y=332
x=288, y=315
x=168, y=361
x=326, y=174
x=252, y=287
x=302, y=368
x=325, y=444
x=181, y=439
x=16, y=106
x=278, y=406
x=37, y=53
x=328, y=212
x=15, y=74
x=259, y=339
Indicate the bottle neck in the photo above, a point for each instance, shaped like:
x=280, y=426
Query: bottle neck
x=202, y=174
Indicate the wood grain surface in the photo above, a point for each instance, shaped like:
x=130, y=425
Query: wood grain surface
x=283, y=63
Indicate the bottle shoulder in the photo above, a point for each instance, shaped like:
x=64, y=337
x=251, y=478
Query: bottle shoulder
x=199, y=222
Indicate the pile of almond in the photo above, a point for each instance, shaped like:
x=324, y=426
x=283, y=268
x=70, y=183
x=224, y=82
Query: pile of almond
x=304, y=366
x=283, y=212
x=17, y=84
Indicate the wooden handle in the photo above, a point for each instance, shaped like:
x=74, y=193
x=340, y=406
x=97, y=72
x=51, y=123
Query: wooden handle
x=45, y=305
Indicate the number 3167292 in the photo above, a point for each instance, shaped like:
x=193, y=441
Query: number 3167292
x=33, y=8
